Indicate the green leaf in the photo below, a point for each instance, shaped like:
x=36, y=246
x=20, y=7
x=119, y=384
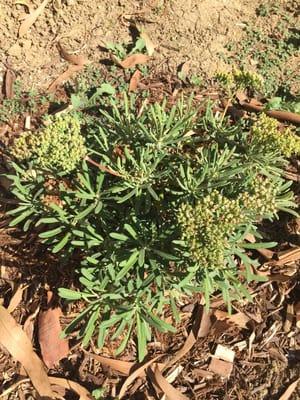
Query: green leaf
x=141, y=338
x=264, y=245
x=129, y=264
x=69, y=294
x=62, y=243
x=141, y=260
x=51, y=233
x=118, y=236
x=131, y=231
x=90, y=327
x=124, y=342
x=21, y=217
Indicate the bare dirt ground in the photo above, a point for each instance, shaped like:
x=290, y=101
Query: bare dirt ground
x=184, y=30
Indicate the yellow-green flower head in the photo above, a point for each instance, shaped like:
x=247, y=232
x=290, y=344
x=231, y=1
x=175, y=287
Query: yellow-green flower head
x=207, y=226
x=265, y=133
x=60, y=146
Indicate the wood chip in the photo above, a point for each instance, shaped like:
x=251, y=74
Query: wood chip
x=224, y=353
x=290, y=390
x=220, y=367
x=289, y=256
x=289, y=318
x=297, y=313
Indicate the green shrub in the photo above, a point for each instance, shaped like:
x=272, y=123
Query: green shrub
x=159, y=209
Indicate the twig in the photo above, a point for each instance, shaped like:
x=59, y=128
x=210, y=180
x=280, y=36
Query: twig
x=280, y=115
x=102, y=168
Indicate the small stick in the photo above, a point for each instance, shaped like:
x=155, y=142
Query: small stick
x=102, y=168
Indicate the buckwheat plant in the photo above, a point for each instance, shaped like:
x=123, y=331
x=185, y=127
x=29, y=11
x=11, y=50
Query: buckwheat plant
x=157, y=201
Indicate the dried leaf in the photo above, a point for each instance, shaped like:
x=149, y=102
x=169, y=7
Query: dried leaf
x=32, y=17
x=16, y=298
x=240, y=319
x=64, y=76
x=123, y=367
x=132, y=61
x=170, y=392
x=136, y=374
x=297, y=312
x=53, y=348
x=79, y=60
x=150, y=46
x=15, y=340
x=82, y=392
x=10, y=78
x=200, y=328
x=28, y=326
x=290, y=390
x=134, y=81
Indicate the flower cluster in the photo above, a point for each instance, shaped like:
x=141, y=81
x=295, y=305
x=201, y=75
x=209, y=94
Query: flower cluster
x=238, y=79
x=60, y=146
x=265, y=133
x=207, y=227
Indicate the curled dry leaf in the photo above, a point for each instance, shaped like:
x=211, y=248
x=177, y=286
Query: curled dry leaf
x=150, y=46
x=16, y=298
x=15, y=340
x=170, y=392
x=64, y=77
x=31, y=18
x=134, y=81
x=82, y=392
x=72, y=58
x=53, y=348
x=123, y=367
x=135, y=59
x=136, y=374
x=10, y=78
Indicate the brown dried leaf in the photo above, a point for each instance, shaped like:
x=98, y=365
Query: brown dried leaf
x=134, y=81
x=150, y=46
x=290, y=390
x=15, y=340
x=64, y=76
x=169, y=390
x=132, y=61
x=32, y=17
x=53, y=348
x=10, y=78
x=136, y=374
x=240, y=319
x=16, y=298
x=79, y=60
x=82, y=392
x=28, y=326
x=123, y=367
